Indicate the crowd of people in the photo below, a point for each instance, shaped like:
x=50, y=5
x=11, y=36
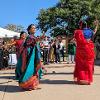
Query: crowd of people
x=52, y=50
x=29, y=50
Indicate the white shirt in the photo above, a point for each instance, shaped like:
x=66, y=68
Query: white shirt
x=61, y=46
x=46, y=44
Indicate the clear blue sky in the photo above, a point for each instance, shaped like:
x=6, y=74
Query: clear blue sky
x=22, y=12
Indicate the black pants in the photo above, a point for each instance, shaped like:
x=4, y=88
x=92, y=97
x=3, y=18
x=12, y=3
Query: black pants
x=5, y=63
x=45, y=55
x=1, y=64
x=1, y=58
x=62, y=53
x=57, y=56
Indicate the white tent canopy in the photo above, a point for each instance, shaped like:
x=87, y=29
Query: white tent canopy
x=7, y=33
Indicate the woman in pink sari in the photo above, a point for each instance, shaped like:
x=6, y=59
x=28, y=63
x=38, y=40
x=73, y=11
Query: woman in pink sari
x=84, y=67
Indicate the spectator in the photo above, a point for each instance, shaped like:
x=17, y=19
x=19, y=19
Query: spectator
x=98, y=48
x=62, y=49
x=71, y=52
x=1, y=57
x=46, y=51
x=5, y=57
x=51, y=53
x=56, y=47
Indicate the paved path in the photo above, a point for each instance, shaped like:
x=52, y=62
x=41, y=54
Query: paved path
x=56, y=85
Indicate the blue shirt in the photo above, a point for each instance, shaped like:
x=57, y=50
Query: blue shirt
x=88, y=33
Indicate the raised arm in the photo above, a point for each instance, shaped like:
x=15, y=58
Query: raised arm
x=97, y=25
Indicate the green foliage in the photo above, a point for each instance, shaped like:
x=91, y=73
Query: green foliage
x=63, y=18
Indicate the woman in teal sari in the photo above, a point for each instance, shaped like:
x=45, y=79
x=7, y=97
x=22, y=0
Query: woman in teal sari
x=29, y=62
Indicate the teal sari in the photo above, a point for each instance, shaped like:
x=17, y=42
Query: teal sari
x=29, y=66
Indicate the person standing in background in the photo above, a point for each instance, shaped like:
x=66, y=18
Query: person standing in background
x=71, y=52
x=62, y=49
x=46, y=47
x=1, y=56
x=5, y=57
x=97, y=48
x=51, y=54
x=56, y=47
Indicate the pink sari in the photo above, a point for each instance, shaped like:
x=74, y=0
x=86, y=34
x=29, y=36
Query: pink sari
x=84, y=58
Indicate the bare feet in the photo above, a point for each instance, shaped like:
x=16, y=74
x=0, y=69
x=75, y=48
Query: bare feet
x=75, y=80
x=82, y=82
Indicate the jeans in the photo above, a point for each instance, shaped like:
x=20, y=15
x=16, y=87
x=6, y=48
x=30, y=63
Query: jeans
x=71, y=58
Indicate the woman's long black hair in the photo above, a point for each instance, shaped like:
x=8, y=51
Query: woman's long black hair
x=22, y=32
x=29, y=27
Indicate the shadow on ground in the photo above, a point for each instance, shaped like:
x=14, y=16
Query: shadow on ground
x=96, y=74
x=10, y=88
x=7, y=77
x=60, y=66
x=60, y=73
x=47, y=81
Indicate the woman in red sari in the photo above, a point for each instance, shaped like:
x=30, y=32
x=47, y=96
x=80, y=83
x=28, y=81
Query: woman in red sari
x=84, y=67
x=18, y=43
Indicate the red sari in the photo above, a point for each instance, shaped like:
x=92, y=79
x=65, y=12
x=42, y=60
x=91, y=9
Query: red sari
x=19, y=44
x=84, y=58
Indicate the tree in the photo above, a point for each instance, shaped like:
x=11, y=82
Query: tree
x=15, y=28
x=63, y=18
x=19, y=28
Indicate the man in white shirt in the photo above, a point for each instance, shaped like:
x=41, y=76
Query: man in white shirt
x=62, y=49
x=46, y=51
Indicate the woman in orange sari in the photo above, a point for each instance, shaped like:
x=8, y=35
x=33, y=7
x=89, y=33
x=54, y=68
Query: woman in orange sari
x=84, y=67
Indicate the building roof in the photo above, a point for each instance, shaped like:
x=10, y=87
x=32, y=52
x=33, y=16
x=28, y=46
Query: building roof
x=7, y=33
